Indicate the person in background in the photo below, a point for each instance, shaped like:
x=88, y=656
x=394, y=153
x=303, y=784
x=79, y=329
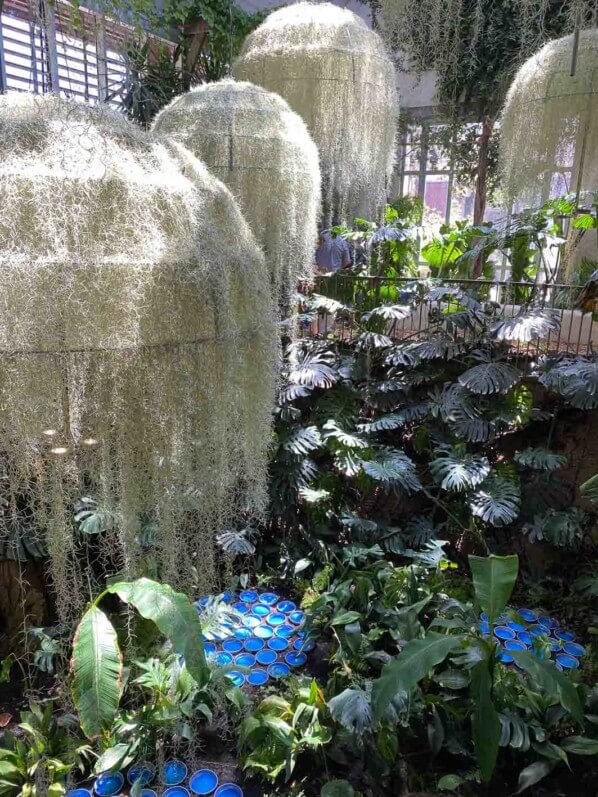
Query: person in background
x=333, y=253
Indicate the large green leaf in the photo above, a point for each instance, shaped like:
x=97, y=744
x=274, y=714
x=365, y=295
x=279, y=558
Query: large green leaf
x=414, y=662
x=173, y=614
x=486, y=723
x=552, y=681
x=97, y=672
x=493, y=579
x=337, y=788
x=486, y=378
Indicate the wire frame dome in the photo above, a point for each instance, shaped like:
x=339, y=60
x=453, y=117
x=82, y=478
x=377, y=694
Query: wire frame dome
x=336, y=74
x=251, y=140
x=549, y=126
x=137, y=347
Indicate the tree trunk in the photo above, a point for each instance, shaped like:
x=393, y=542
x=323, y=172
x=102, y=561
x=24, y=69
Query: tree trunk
x=481, y=184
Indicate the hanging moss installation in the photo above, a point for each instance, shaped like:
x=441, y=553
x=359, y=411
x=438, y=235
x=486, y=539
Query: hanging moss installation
x=335, y=73
x=550, y=121
x=137, y=346
x=251, y=140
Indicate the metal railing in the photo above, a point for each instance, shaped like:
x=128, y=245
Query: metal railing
x=577, y=332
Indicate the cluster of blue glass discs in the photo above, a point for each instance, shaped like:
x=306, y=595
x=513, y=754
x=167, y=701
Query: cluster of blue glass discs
x=263, y=636
x=537, y=633
x=172, y=777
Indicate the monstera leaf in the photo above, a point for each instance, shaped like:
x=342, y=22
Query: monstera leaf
x=497, y=501
x=456, y=472
x=301, y=440
x=493, y=377
x=528, y=326
x=539, y=459
x=393, y=468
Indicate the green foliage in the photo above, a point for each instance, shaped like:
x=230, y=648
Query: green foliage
x=494, y=578
x=279, y=730
x=97, y=662
x=36, y=761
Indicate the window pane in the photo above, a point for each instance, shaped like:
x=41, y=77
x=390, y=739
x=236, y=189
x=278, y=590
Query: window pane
x=435, y=199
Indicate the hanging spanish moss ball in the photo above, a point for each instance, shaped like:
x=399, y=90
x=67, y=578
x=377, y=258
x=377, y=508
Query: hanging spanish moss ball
x=137, y=348
x=335, y=73
x=549, y=138
x=251, y=140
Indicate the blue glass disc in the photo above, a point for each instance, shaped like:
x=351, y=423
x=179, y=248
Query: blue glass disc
x=240, y=607
x=144, y=773
x=248, y=596
x=484, y=627
x=277, y=644
x=174, y=772
x=526, y=638
x=263, y=632
x=232, y=645
x=547, y=622
x=505, y=657
x=284, y=631
x=278, y=670
x=109, y=783
x=78, y=793
x=295, y=659
x=515, y=626
x=514, y=644
x=242, y=633
x=148, y=793
x=269, y=598
x=253, y=644
x=297, y=617
x=484, y=617
x=209, y=648
x=266, y=657
x=245, y=660
x=573, y=649
x=223, y=658
x=249, y=621
x=286, y=606
x=236, y=677
x=260, y=610
x=565, y=636
x=537, y=630
x=276, y=619
x=502, y=632
x=229, y=790
x=176, y=791
x=258, y=677
x=304, y=645
x=204, y=781
x=567, y=662
x=228, y=597
x=528, y=615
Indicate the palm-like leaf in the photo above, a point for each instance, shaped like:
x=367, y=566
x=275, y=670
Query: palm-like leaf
x=389, y=312
x=456, y=471
x=312, y=367
x=327, y=304
x=292, y=393
x=300, y=440
x=236, y=542
x=493, y=377
x=497, y=501
x=332, y=433
x=420, y=530
x=576, y=379
x=349, y=463
x=527, y=326
x=589, y=489
x=393, y=468
x=396, y=420
x=372, y=340
x=352, y=709
x=539, y=459
x=97, y=672
x=474, y=430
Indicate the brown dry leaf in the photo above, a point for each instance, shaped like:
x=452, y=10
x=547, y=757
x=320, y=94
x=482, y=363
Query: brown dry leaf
x=5, y=719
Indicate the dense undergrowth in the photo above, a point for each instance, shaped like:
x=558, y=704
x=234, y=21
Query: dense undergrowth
x=414, y=482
